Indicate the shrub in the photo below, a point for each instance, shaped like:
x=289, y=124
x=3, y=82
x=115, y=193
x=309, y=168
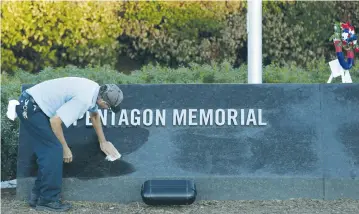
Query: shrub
x=39, y=34
x=300, y=34
x=36, y=34
x=183, y=32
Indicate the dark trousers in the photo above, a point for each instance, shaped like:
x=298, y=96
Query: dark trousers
x=47, y=148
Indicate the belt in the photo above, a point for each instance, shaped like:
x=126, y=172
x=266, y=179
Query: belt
x=28, y=96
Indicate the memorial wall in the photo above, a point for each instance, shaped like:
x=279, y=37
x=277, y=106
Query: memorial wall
x=236, y=141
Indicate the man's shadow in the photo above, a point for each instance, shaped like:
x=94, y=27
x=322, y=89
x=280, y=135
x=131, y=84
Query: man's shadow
x=88, y=159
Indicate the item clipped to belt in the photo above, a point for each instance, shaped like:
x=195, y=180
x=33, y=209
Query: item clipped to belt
x=168, y=192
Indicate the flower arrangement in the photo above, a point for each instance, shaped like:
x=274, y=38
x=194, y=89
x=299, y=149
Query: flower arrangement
x=345, y=34
x=344, y=38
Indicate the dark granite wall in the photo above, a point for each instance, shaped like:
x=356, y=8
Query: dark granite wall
x=298, y=131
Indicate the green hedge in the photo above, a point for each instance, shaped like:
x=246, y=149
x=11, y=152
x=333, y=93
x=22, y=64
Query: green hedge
x=36, y=34
x=39, y=34
x=210, y=73
x=301, y=33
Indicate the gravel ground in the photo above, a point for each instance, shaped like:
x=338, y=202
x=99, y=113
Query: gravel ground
x=299, y=206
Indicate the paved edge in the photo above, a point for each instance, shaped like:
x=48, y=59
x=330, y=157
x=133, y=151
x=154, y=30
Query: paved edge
x=128, y=189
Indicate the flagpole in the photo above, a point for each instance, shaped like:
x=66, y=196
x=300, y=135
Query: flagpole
x=254, y=32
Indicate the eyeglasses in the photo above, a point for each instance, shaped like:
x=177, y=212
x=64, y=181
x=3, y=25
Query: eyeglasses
x=108, y=106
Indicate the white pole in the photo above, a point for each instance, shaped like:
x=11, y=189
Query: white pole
x=254, y=32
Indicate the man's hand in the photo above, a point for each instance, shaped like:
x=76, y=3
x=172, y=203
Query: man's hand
x=108, y=148
x=55, y=123
x=67, y=154
x=105, y=146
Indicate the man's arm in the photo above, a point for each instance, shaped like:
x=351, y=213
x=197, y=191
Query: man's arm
x=57, y=128
x=106, y=147
x=55, y=123
x=96, y=122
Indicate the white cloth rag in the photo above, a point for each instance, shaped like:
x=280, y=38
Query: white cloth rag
x=111, y=158
x=11, y=109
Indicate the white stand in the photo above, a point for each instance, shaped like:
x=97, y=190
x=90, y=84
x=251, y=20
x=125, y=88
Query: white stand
x=337, y=71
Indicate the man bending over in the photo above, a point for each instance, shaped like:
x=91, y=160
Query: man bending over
x=42, y=111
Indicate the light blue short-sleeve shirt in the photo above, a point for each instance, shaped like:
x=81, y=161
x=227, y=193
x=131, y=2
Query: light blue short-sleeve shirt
x=69, y=97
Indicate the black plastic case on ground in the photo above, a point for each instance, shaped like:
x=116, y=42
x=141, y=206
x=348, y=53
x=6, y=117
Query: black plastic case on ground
x=168, y=192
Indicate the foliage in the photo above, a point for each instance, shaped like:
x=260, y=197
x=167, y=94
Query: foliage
x=299, y=34
x=40, y=34
x=184, y=32
x=176, y=33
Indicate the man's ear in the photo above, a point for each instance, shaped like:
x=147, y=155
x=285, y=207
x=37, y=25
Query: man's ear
x=99, y=99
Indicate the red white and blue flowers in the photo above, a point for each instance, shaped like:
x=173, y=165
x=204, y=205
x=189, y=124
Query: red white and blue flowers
x=344, y=38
